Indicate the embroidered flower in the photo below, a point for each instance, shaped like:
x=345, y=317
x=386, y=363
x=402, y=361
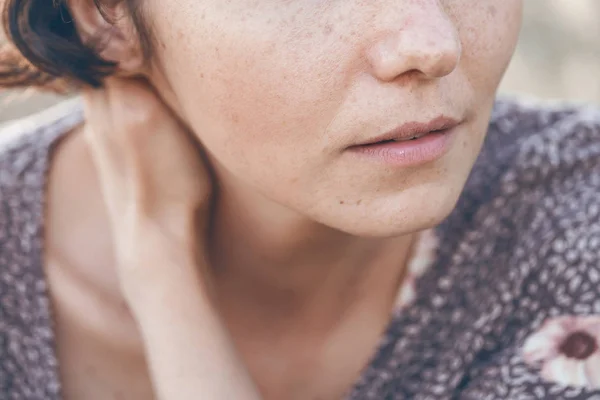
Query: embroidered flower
x=422, y=258
x=566, y=349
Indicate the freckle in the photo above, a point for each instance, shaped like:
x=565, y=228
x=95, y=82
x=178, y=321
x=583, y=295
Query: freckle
x=341, y=201
x=492, y=10
x=358, y=202
x=327, y=29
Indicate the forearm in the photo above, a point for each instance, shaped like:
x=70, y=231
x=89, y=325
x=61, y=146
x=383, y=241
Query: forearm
x=185, y=339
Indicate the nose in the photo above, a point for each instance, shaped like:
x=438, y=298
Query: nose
x=426, y=42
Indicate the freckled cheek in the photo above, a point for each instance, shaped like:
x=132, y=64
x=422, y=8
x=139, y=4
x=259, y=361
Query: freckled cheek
x=223, y=94
x=486, y=59
x=488, y=39
x=268, y=106
x=259, y=111
x=254, y=117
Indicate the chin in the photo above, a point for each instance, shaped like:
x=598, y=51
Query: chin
x=397, y=225
x=398, y=216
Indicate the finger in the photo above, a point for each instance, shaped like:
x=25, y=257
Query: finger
x=158, y=143
x=103, y=136
x=100, y=129
x=143, y=152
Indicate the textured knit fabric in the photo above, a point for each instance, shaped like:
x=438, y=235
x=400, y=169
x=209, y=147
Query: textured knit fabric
x=501, y=301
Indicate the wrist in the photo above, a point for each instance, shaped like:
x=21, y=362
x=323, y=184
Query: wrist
x=157, y=260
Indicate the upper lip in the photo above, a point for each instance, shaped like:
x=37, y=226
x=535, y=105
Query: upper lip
x=411, y=129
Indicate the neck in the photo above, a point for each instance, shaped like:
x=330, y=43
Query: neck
x=273, y=267
x=285, y=269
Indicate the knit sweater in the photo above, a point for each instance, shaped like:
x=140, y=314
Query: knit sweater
x=501, y=300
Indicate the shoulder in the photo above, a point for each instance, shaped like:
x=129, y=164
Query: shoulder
x=548, y=207
x=549, y=152
x=26, y=337
x=24, y=151
x=545, y=135
x=24, y=156
x=25, y=147
x=42, y=125
x=523, y=245
x=533, y=197
x=550, y=179
x=512, y=115
x=25, y=141
x=531, y=143
x=535, y=156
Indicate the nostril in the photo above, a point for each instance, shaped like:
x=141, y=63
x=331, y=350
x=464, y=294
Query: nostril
x=417, y=52
x=443, y=62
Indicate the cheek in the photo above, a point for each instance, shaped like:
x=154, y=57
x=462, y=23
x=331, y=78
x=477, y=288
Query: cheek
x=489, y=32
x=250, y=88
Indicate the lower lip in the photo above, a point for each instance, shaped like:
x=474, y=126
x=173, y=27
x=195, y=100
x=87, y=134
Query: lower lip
x=409, y=153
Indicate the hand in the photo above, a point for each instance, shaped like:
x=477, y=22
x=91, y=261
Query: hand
x=157, y=191
x=152, y=176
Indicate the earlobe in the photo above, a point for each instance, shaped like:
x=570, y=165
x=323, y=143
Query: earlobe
x=111, y=32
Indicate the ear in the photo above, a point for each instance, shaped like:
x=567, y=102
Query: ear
x=111, y=31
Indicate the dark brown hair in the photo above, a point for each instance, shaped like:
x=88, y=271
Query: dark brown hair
x=44, y=49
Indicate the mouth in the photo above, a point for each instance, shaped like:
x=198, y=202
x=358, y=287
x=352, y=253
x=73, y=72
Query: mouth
x=410, y=144
x=412, y=131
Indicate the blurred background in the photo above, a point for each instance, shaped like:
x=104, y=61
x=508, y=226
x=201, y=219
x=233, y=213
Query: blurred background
x=558, y=58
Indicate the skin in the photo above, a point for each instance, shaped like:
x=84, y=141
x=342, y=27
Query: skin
x=309, y=241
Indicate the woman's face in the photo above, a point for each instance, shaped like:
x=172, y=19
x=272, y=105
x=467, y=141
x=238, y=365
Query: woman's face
x=279, y=90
